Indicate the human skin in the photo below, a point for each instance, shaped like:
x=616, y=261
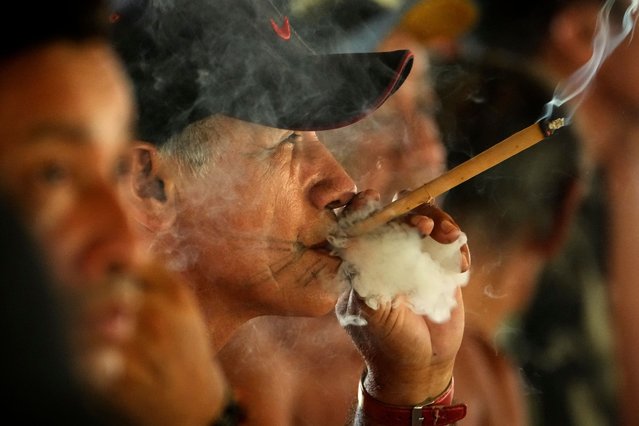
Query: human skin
x=498, y=289
x=166, y=374
x=248, y=221
x=61, y=141
x=409, y=358
x=609, y=118
x=429, y=349
x=418, y=155
x=65, y=125
x=396, y=147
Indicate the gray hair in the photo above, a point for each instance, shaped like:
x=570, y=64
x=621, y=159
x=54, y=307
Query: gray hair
x=196, y=146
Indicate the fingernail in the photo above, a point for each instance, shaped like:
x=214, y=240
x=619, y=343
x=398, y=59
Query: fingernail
x=423, y=223
x=371, y=193
x=428, y=222
x=447, y=226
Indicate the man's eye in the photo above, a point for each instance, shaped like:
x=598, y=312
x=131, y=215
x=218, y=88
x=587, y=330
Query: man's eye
x=293, y=138
x=52, y=173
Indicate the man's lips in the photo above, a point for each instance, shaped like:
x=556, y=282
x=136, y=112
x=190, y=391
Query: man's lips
x=116, y=322
x=323, y=247
x=109, y=308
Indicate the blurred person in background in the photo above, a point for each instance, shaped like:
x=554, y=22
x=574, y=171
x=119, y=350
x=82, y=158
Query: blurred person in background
x=517, y=214
x=136, y=342
x=580, y=341
x=232, y=187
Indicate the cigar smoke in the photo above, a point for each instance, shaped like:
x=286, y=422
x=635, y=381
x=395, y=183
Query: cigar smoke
x=395, y=260
x=607, y=37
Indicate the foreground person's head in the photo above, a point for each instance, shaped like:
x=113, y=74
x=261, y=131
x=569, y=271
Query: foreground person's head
x=237, y=186
x=65, y=121
x=66, y=112
x=66, y=115
x=65, y=118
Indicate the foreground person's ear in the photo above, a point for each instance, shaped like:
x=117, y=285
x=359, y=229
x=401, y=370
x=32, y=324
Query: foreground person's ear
x=150, y=190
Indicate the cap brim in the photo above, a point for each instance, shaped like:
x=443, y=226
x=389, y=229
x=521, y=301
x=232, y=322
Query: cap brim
x=325, y=92
x=185, y=69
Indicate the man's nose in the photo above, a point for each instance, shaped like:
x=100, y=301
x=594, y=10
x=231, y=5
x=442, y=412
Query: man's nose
x=112, y=246
x=331, y=187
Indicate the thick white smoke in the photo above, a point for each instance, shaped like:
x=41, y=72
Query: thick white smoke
x=396, y=260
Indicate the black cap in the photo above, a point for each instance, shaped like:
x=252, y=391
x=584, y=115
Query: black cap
x=243, y=58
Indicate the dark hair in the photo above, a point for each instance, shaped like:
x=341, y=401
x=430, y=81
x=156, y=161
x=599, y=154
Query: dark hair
x=482, y=104
x=48, y=21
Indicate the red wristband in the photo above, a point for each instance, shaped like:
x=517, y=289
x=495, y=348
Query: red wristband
x=445, y=398
x=436, y=412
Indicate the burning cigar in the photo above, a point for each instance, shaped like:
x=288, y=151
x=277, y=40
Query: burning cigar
x=492, y=156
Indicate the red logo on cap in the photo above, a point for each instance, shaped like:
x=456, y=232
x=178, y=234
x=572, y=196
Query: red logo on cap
x=284, y=32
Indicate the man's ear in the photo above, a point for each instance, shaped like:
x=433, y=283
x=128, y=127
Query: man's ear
x=151, y=191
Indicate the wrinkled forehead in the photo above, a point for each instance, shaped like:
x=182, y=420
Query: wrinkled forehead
x=228, y=130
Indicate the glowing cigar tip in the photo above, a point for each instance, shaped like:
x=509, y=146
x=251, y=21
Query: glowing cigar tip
x=557, y=123
x=551, y=126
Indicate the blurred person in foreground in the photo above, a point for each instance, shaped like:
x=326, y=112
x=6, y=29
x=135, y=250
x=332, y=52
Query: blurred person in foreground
x=38, y=384
x=137, y=344
x=396, y=147
x=581, y=340
x=517, y=213
x=233, y=188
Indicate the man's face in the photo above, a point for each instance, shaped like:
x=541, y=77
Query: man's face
x=65, y=116
x=247, y=223
x=65, y=130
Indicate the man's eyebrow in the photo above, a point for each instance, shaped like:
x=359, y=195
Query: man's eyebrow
x=61, y=131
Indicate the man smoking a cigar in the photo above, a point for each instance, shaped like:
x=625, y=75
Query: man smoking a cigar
x=236, y=188
x=396, y=147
